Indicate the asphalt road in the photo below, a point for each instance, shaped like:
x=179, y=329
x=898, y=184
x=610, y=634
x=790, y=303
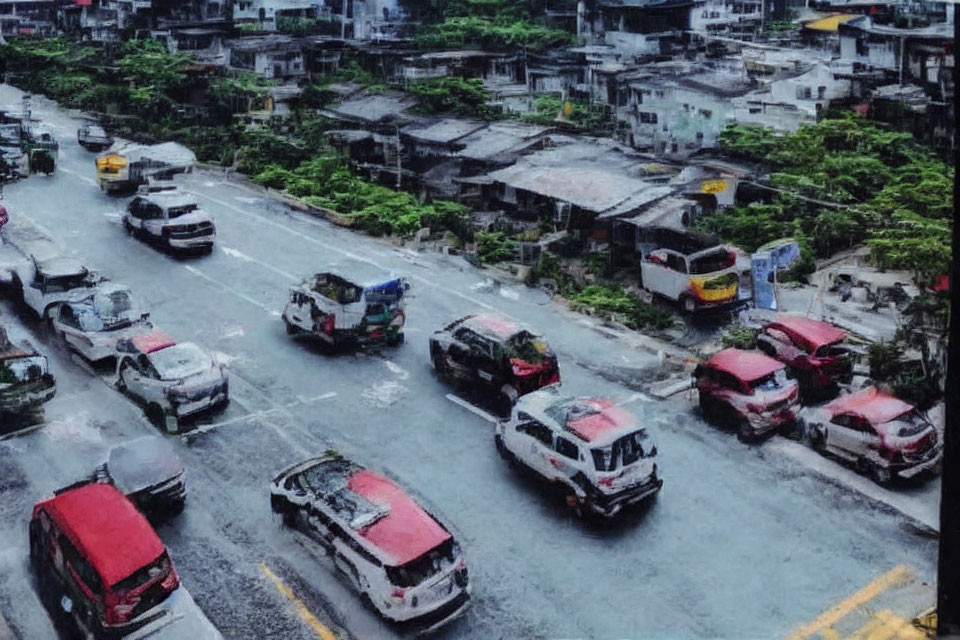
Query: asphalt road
x=741, y=543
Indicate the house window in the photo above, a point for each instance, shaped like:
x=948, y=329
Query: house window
x=699, y=136
x=821, y=92
x=659, y=93
x=673, y=147
x=804, y=93
x=706, y=113
x=647, y=117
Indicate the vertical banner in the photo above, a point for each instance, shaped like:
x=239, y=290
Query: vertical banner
x=764, y=291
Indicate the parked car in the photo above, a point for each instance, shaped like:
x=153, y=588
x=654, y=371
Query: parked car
x=92, y=321
x=4, y=217
x=815, y=352
x=495, y=354
x=92, y=548
x=149, y=472
x=340, y=311
x=699, y=280
x=403, y=561
x=747, y=390
x=171, y=218
x=93, y=137
x=25, y=379
x=594, y=450
x=881, y=434
x=43, y=285
x=173, y=380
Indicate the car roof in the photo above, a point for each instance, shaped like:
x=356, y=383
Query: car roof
x=61, y=267
x=745, y=365
x=152, y=342
x=407, y=531
x=491, y=325
x=10, y=351
x=137, y=464
x=595, y=420
x=107, y=529
x=871, y=404
x=812, y=334
x=172, y=198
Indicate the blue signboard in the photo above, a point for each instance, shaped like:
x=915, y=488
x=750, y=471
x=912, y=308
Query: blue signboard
x=764, y=294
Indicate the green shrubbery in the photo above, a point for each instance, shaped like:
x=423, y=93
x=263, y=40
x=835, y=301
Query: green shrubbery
x=452, y=95
x=494, y=247
x=491, y=33
x=625, y=307
x=547, y=108
x=890, y=193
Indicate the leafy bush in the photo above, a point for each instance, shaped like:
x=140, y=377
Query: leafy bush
x=495, y=247
x=452, y=95
x=627, y=308
x=491, y=33
x=739, y=337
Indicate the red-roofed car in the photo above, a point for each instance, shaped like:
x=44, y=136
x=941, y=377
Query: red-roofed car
x=747, y=390
x=592, y=449
x=172, y=380
x=403, y=561
x=103, y=557
x=815, y=351
x=881, y=434
x=496, y=354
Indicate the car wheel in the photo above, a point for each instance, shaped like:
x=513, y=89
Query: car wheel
x=36, y=548
x=507, y=398
x=745, y=433
x=121, y=383
x=128, y=228
x=505, y=453
x=881, y=475
x=368, y=603
x=291, y=328
x=155, y=415
x=439, y=363
x=818, y=440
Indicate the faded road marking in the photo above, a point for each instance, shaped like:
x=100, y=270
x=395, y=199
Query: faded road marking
x=228, y=289
x=235, y=253
x=79, y=175
x=896, y=576
x=472, y=409
x=256, y=415
x=304, y=613
x=886, y=625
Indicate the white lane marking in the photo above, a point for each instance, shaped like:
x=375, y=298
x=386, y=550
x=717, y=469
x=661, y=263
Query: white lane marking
x=235, y=253
x=472, y=409
x=348, y=254
x=637, y=396
x=397, y=370
x=229, y=289
x=259, y=415
x=78, y=175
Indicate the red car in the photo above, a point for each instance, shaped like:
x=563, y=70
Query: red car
x=747, y=390
x=882, y=435
x=4, y=218
x=104, y=558
x=814, y=351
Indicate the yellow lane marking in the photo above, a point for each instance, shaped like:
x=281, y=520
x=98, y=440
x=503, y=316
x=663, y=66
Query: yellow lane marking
x=898, y=575
x=886, y=625
x=322, y=632
x=829, y=634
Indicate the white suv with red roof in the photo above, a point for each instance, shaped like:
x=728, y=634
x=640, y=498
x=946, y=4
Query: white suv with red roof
x=405, y=564
x=594, y=450
x=173, y=380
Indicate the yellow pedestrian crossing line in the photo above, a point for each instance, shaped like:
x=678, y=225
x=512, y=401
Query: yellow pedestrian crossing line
x=322, y=632
x=825, y=621
x=886, y=625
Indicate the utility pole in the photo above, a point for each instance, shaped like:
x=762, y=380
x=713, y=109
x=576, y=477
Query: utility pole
x=399, y=168
x=948, y=566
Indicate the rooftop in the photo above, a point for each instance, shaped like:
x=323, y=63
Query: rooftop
x=107, y=529
x=373, y=108
x=500, y=138
x=445, y=131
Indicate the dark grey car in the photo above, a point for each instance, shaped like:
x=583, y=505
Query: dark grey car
x=149, y=472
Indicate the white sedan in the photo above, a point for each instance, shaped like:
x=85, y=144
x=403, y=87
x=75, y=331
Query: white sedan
x=93, y=321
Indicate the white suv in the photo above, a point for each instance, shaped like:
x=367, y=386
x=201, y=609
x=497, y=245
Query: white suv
x=592, y=448
x=171, y=218
x=405, y=564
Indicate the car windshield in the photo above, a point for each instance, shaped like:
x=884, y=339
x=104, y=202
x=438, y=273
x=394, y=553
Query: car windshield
x=713, y=261
x=66, y=283
x=16, y=370
x=329, y=481
x=176, y=212
x=622, y=452
x=159, y=568
x=108, y=310
x=96, y=132
x=772, y=382
x=430, y=564
x=908, y=424
x=180, y=361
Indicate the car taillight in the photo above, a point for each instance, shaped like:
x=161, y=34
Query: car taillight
x=121, y=612
x=172, y=581
x=755, y=408
x=397, y=596
x=605, y=482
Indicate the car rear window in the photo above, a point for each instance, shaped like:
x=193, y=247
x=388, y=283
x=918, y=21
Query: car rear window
x=424, y=567
x=529, y=348
x=909, y=424
x=622, y=452
x=17, y=370
x=772, y=382
x=159, y=568
x=714, y=261
x=176, y=212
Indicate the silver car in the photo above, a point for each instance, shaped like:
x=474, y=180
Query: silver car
x=92, y=321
